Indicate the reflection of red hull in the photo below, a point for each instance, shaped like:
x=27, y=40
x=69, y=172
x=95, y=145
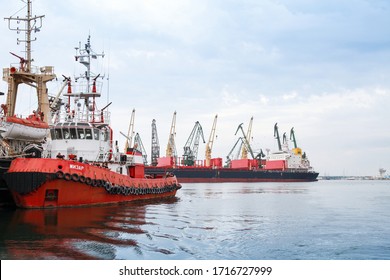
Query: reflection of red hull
x=56, y=233
x=41, y=183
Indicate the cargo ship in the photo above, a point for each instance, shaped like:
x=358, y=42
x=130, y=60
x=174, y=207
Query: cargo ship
x=63, y=155
x=273, y=170
x=284, y=165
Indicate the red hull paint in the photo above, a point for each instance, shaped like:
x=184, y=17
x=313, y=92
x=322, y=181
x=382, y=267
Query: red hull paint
x=84, y=196
x=41, y=183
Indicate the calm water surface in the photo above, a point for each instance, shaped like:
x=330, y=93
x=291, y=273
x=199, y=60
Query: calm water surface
x=319, y=220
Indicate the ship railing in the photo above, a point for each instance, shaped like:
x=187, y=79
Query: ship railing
x=96, y=116
x=85, y=89
x=18, y=68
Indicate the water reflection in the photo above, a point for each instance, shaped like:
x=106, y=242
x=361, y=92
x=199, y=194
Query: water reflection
x=73, y=233
x=319, y=220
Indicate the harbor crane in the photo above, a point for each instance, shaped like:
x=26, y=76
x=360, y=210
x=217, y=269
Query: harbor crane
x=229, y=156
x=130, y=132
x=191, y=147
x=171, y=147
x=276, y=135
x=245, y=140
x=140, y=146
x=245, y=143
x=209, y=145
x=155, y=144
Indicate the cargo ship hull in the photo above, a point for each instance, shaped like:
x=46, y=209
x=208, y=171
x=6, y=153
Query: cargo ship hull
x=208, y=175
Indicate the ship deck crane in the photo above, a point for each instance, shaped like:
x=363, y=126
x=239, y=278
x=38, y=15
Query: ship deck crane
x=155, y=144
x=209, y=145
x=292, y=137
x=276, y=135
x=285, y=142
x=191, y=147
x=130, y=132
x=296, y=150
x=171, y=147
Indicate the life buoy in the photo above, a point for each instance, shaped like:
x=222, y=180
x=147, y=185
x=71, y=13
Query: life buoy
x=60, y=174
x=75, y=177
x=67, y=176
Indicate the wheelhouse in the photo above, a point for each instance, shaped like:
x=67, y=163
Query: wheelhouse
x=81, y=139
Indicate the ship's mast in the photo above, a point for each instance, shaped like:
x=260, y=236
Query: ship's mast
x=84, y=55
x=25, y=73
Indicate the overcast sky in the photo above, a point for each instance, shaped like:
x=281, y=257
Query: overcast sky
x=320, y=66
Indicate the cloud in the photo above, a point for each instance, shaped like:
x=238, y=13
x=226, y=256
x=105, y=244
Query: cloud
x=319, y=66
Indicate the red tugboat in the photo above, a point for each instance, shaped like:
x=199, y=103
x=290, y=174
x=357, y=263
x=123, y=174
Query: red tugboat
x=79, y=165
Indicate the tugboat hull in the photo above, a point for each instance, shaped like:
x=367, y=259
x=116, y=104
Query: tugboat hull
x=45, y=183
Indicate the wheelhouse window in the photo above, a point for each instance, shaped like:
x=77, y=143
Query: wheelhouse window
x=88, y=134
x=80, y=133
x=66, y=133
x=58, y=133
x=73, y=134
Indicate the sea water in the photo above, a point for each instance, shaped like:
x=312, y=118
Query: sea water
x=324, y=220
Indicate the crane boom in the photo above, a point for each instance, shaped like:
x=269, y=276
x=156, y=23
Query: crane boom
x=171, y=147
x=276, y=135
x=244, y=150
x=130, y=132
x=245, y=140
x=209, y=145
x=292, y=137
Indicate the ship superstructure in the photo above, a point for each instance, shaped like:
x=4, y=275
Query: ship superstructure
x=24, y=135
